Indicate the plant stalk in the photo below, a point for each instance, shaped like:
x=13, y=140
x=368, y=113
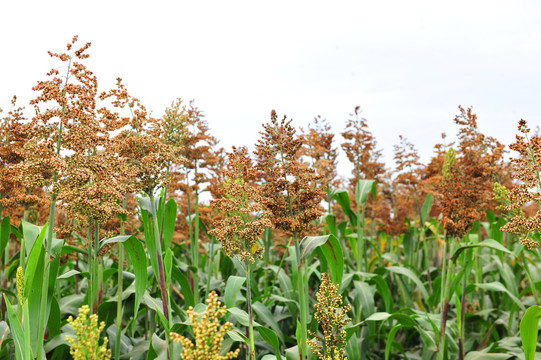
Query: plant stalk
x=303, y=346
x=120, y=287
x=249, y=308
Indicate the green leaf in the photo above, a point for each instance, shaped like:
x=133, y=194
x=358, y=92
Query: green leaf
x=330, y=219
x=31, y=233
x=427, y=207
x=69, y=249
x=366, y=297
x=529, y=328
x=150, y=242
x=268, y=318
x=138, y=259
x=242, y=317
x=384, y=291
x=146, y=204
x=498, y=286
x=232, y=290
x=168, y=265
x=332, y=250
x=169, y=224
x=310, y=243
x=378, y=316
x=271, y=338
x=17, y=330
x=68, y=274
x=411, y=275
x=185, y=286
x=236, y=335
x=158, y=348
x=363, y=189
x=33, y=282
x=55, y=317
x=56, y=248
x=390, y=340
x=480, y=355
x=5, y=230
x=489, y=243
x=342, y=197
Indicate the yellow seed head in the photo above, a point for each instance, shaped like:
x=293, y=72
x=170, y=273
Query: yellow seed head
x=20, y=285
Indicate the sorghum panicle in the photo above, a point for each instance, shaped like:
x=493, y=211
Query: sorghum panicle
x=141, y=145
x=209, y=335
x=527, y=168
x=15, y=133
x=239, y=201
x=86, y=345
x=332, y=317
x=360, y=148
x=292, y=190
x=318, y=141
x=465, y=190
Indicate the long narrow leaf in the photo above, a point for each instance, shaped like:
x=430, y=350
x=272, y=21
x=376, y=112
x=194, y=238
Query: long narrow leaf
x=17, y=331
x=529, y=329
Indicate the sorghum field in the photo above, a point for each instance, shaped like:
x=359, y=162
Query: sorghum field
x=109, y=249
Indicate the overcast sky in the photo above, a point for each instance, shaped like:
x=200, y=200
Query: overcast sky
x=408, y=64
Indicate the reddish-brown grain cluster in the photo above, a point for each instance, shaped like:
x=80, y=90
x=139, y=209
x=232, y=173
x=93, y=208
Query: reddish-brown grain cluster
x=15, y=132
x=527, y=168
x=291, y=190
x=466, y=187
x=240, y=203
x=318, y=148
x=361, y=149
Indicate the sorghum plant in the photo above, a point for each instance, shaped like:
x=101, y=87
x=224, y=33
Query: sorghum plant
x=142, y=147
x=188, y=131
x=240, y=203
x=64, y=104
x=243, y=219
x=406, y=197
x=465, y=193
x=209, y=335
x=360, y=148
x=332, y=317
x=292, y=196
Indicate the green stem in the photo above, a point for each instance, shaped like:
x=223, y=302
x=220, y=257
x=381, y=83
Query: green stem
x=98, y=272
x=446, y=297
x=43, y=300
x=194, y=246
x=210, y=265
x=361, y=251
x=120, y=287
x=467, y=264
x=249, y=308
x=159, y=255
x=90, y=289
x=302, y=342
x=22, y=251
x=44, y=295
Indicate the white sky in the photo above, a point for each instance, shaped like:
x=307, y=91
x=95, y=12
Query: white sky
x=408, y=64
